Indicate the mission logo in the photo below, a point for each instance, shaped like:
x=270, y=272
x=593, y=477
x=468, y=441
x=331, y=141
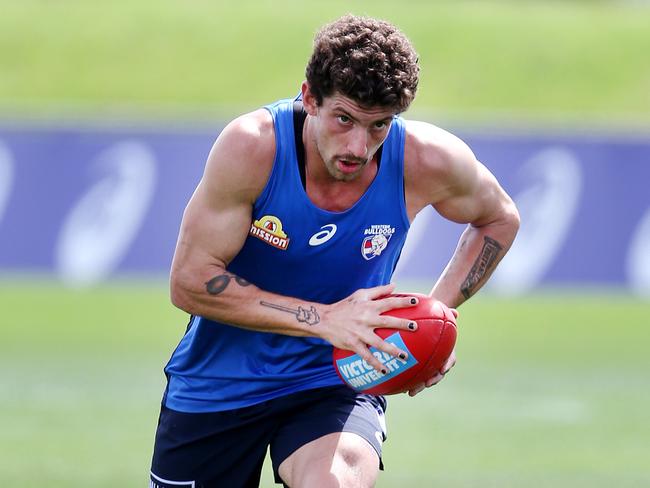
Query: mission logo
x=269, y=230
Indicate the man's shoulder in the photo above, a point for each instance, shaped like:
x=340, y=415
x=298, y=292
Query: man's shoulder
x=243, y=154
x=430, y=145
x=251, y=131
x=248, y=140
x=437, y=164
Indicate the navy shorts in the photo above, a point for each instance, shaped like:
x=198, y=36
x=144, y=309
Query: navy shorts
x=228, y=448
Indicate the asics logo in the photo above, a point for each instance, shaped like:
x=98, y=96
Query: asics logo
x=322, y=236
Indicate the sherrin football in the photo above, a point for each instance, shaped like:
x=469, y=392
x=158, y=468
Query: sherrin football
x=428, y=348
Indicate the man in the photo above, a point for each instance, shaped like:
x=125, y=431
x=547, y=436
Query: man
x=287, y=247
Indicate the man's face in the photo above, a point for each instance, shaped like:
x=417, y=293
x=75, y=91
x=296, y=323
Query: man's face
x=346, y=135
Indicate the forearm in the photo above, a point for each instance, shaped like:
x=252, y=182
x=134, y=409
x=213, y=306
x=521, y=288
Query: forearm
x=479, y=251
x=226, y=297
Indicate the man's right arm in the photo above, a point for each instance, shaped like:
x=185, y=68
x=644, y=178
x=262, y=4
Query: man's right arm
x=214, y=228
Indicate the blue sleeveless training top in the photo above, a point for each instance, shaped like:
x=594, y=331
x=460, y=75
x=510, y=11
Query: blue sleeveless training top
x=296, y=249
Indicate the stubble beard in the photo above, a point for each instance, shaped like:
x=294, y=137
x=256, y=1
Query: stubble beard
x=331, y=165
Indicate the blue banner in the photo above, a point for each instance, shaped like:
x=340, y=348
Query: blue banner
x=88, y=204
x=585, y=209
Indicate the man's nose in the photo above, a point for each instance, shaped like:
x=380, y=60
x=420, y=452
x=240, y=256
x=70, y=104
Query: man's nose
x=358, y=143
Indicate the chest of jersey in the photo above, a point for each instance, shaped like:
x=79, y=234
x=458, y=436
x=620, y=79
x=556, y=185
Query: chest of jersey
x=296, y=248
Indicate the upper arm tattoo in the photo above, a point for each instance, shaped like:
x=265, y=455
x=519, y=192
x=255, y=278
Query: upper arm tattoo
x=220, y=282
x=482, y=265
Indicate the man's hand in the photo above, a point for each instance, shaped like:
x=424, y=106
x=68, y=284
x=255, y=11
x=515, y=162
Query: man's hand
x=350, y=324
x=437, y=378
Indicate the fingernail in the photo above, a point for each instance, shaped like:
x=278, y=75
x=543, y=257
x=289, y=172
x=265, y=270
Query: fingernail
x=414, y=301
x=383, y=371
x=411, y=325
x=402, y=356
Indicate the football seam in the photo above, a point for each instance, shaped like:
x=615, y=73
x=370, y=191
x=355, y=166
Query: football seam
x=433, y=352
x=414, y=373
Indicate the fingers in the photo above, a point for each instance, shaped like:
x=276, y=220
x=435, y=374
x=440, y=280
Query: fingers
x=414, y=391
x=389, y=322
x=450, y=363
x=379, y=296
x=381, y=303
x=391, y=303
x=426, y=384
x=376, y=342
x=369, y=358
x=381, y=345
x=437, y=378
x=363, y=310
x=379, y=291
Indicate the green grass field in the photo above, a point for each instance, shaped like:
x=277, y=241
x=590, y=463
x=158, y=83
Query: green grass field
x=549, y=391
x=566, y=62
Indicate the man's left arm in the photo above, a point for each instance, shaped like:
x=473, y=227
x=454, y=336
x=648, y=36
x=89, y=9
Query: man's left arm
x=461, y=189
x=493, y=222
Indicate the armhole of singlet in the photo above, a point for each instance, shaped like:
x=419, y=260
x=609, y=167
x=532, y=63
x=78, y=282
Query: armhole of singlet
x=299, y=116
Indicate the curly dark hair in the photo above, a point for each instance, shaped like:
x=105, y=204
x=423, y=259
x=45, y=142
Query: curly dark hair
x=365, y=59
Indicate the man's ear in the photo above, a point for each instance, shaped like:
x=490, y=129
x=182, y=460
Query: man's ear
x=308, y=99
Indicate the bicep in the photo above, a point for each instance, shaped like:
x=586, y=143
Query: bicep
x=217, y=218
x=443, y=172
x=214, y=227
x=475, y=195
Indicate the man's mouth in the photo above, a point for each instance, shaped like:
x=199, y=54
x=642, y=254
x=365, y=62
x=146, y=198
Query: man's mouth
x=349, y=165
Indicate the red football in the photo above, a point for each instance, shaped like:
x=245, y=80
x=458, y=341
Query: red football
x=428, y=349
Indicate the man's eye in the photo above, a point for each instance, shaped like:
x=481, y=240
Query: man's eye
x=344, y=119
x=380, y=125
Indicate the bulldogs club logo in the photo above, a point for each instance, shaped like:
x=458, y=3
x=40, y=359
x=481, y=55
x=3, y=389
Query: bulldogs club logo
x=376, y=240
x=269, y=230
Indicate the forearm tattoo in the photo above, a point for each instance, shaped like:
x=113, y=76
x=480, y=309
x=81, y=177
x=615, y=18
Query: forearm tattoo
x=220, y=282
x=482, y=265
x=310, y=317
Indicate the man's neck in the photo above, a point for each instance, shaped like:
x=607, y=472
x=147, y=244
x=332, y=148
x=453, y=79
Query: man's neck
x=323, y=189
